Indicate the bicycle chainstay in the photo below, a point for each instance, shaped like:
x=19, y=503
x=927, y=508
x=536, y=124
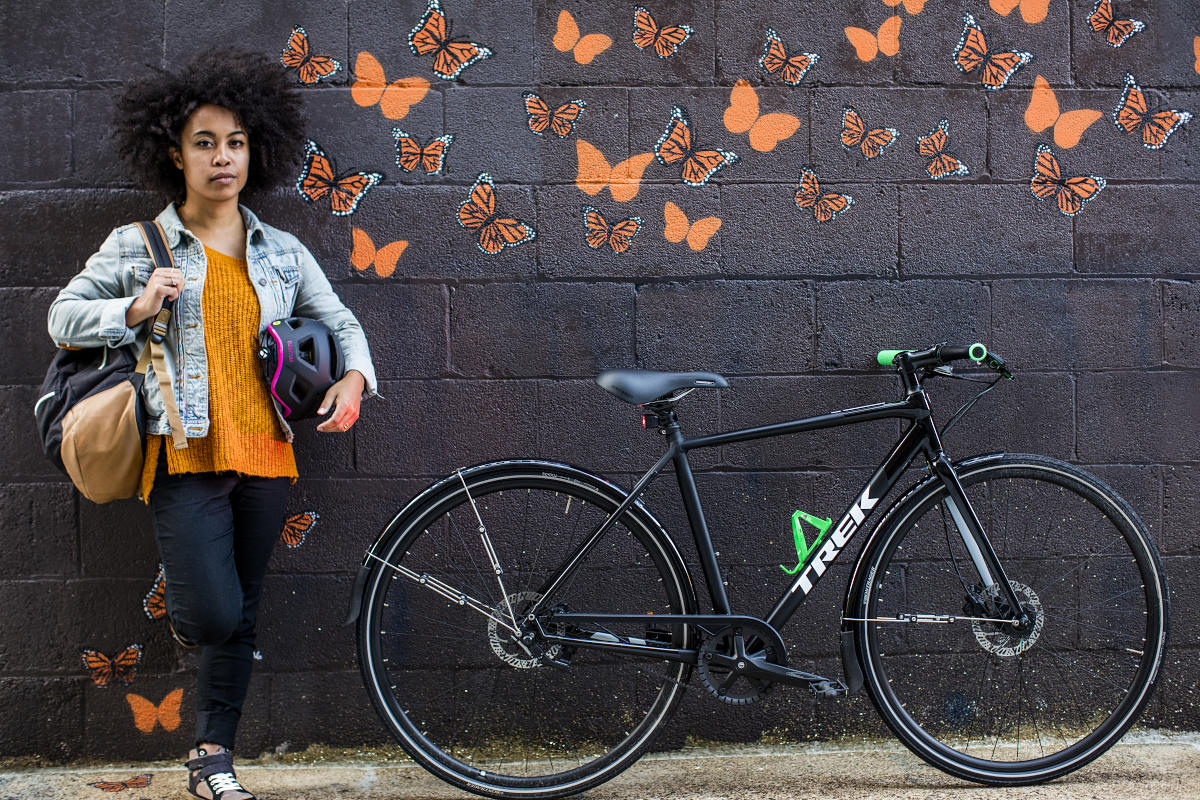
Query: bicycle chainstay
x=744, y=626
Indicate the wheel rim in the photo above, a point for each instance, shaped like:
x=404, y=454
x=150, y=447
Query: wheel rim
x=463, y=696
x=1045, y=699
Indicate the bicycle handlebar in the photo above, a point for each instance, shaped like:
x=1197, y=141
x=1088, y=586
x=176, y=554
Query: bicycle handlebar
x=943, y=354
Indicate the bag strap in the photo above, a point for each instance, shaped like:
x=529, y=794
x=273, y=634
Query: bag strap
x=156, y=242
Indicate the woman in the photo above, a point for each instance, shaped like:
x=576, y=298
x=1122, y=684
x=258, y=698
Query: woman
x=229, y=122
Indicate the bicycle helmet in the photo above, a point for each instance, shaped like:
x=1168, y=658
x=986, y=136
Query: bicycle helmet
x=301, y=359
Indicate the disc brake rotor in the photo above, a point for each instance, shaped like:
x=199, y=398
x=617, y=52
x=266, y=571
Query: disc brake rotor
x=515, y=651
x=1005, y=640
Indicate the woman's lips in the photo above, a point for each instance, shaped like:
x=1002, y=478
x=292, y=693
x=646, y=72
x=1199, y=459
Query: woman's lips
x=224, y=178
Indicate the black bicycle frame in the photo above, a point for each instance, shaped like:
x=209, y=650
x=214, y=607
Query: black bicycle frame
x=921, y=437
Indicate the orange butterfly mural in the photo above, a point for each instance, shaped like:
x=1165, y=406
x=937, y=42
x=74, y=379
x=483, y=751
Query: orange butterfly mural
x=775, y=58
x=560, y=121
x=995, y=66
x=676, y=146
x=431, y=36
x=933, y=146
x=911, y=6
x=146, y=714
x=411, y=154
x=319, y=180
x=867, y=45
x=136, y=782
x=665, y=41
x=309, y=68
x=598, y=232
x=371, y=87
x=155, y=601
x=594, y=172
x=478, y=213
x=1115, y=31
x=583, y=48
x=696, y=233
x=105, y=671
x=1133, y=114
x=871, y=142
x=363, y=254
x=1043, y=112
x=825, y=205
x=297, y=526
x=1032, y=11
x=765, y=131
x=1069, y=193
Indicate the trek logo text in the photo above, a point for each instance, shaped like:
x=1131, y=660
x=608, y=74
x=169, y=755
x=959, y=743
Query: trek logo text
x=841, y=535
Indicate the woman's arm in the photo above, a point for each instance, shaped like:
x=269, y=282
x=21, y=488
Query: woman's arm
x=90, y=310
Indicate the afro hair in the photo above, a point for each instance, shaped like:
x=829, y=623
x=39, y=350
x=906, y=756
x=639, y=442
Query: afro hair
x=152, y=111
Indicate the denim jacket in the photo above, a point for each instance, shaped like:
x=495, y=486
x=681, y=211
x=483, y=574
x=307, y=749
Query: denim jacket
x=90, y=310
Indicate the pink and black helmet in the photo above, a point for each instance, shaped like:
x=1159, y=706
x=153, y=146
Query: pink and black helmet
x=301, y=359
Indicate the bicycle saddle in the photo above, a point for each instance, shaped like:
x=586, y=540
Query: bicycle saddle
x=642, y=386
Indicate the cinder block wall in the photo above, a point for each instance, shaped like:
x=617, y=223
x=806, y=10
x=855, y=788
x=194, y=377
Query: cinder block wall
x=484, y=356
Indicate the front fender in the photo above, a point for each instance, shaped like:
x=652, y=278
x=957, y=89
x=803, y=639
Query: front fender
x=851, y=658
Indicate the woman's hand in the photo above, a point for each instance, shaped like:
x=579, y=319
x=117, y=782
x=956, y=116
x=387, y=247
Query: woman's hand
x=344, y=398
x=164, y=284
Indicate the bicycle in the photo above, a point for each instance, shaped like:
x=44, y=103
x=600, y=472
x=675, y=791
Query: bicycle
x=525, y=627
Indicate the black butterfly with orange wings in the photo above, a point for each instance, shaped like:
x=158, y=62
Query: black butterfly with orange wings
x=478, y=213
x=105, y=671
x=663, y=39
x=310, y=68
x=155, y=601
x=1069, y=193
x=412, y=155
x=431, y=36
x=1133, y=114
x=560, y=121
x=825, y=205
x=995, y=66
x=297, y=526
x=599, y=231
x=676, y=146
x=775, y=58
x=136, y=782
x=319, y=180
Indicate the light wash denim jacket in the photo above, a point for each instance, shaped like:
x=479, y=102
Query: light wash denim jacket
x=90, y=310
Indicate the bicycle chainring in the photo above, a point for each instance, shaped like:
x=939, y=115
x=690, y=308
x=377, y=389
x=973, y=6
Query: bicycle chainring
x=519, y=652
x=722, y=681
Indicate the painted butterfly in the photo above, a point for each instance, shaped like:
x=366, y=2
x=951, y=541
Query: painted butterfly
x=871, y=142
x=1116, y=31
x=146, y=714
x=995, y=67
x=665, y=41
x=1133, y=114
x=775, y=58
x=136, y=782
x=155, y=601
x=478, y=213
x=933, y=146
x=677, y=227
x=593, y=173
x=319, y=179
x=618, y=235
x=825, y=205
x=297, y=526
x=560, y=121
x=675, y=146
x=431, y=36
x=1069, y=193
x=121, y=667
x=310, y=68
x=411, y=154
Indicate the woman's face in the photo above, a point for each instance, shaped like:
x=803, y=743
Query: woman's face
x=214, y=155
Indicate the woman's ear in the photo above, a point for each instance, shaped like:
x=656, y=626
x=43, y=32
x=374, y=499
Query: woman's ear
x=176, y=158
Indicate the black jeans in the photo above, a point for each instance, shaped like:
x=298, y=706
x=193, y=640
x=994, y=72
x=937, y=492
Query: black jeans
x=215, y=535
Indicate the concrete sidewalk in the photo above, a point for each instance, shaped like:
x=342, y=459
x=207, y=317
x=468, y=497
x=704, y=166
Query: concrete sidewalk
x=1145, y=766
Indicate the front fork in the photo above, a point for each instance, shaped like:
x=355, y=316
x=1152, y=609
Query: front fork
x=994, y=581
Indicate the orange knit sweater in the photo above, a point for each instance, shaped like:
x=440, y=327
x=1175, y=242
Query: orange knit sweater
x=243, y=435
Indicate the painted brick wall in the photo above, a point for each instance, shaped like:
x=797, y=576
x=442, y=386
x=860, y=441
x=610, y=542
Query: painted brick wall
x=483, y=356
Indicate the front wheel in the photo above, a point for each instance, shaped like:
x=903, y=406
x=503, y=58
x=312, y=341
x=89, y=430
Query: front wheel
x=471, y=690
x=1011, y=704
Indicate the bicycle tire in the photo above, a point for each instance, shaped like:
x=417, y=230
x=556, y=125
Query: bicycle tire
x=1068, y=686
x=458, y=693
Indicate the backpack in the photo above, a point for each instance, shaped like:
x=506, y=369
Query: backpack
x=90, y=412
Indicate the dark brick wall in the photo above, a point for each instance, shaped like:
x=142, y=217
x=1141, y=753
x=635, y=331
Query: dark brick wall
x=481, y=356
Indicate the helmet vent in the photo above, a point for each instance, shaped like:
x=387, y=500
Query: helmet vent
x=307, y=352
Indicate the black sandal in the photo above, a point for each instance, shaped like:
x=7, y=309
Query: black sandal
x=216, y=771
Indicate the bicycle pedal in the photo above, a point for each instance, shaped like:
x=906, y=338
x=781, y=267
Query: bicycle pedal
x=829, y=688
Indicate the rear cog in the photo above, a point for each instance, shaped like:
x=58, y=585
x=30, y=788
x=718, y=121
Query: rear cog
x=717, y=667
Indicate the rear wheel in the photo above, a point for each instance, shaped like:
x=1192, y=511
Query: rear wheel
x=509, y=714
x=993, y=702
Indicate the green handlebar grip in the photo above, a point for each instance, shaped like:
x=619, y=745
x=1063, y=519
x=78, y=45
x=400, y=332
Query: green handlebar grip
x=885, y=357
x=977, y=348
